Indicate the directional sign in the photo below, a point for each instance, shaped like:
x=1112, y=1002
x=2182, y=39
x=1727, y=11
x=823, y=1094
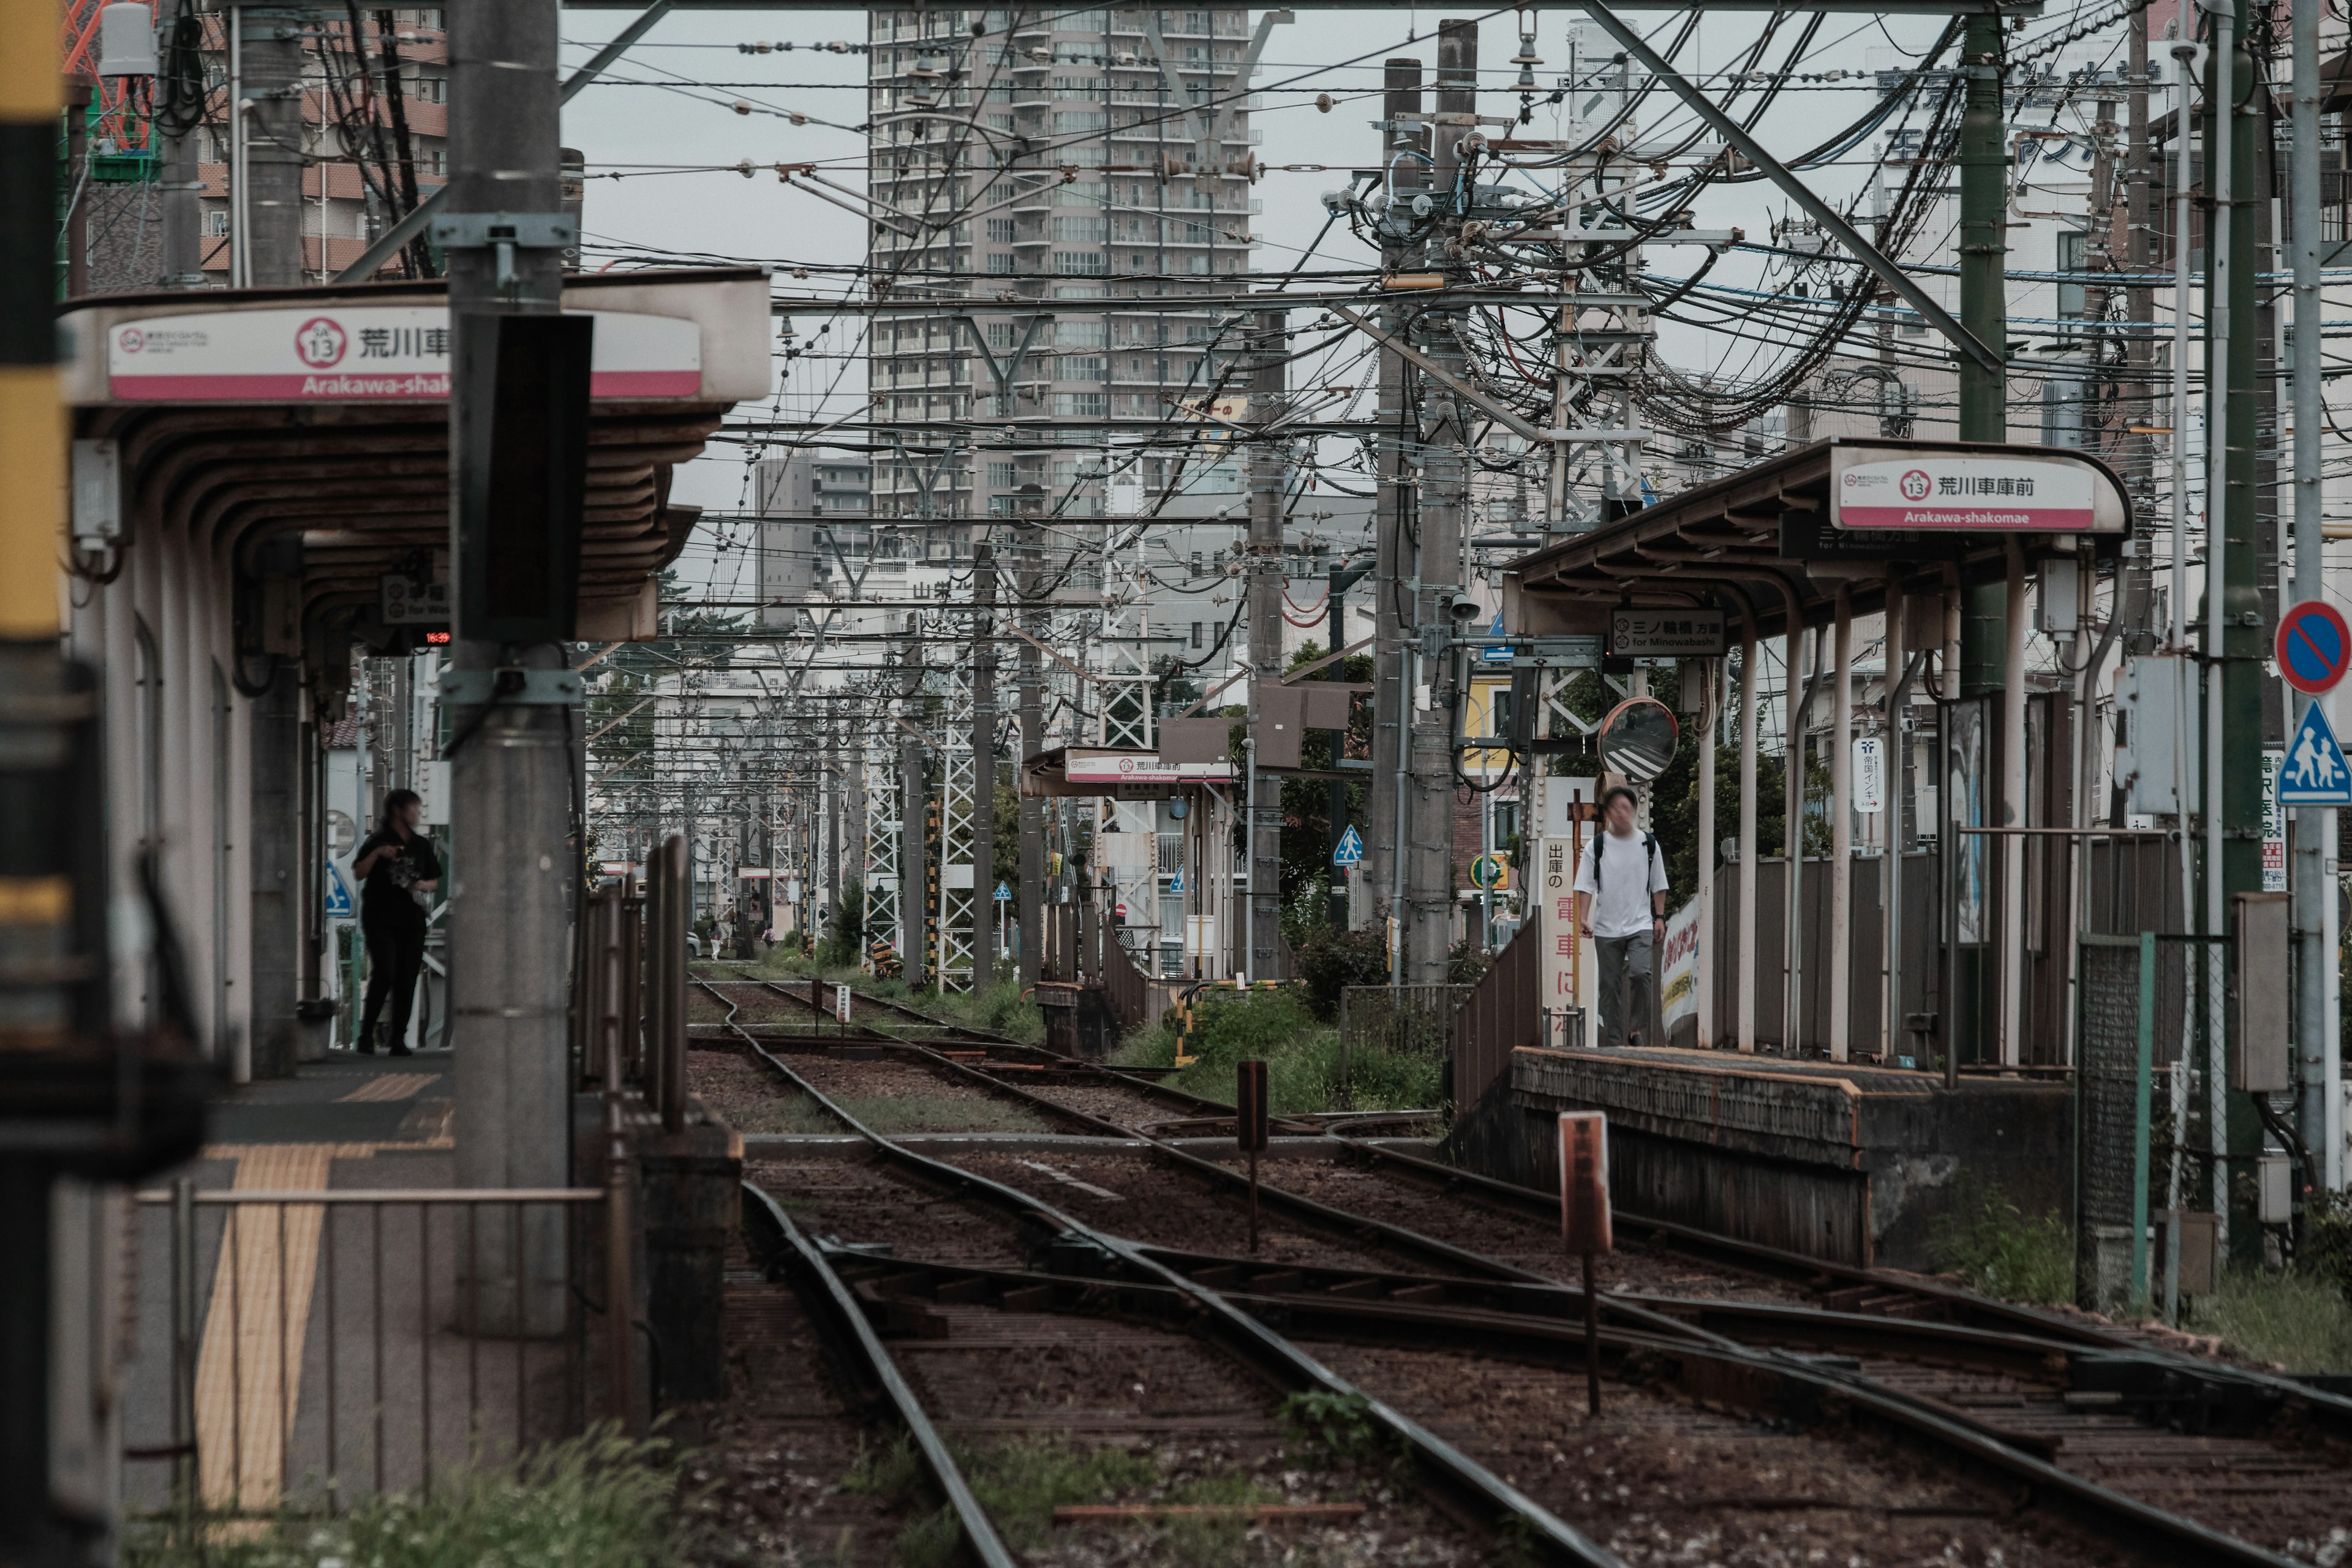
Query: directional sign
x=1351, y=848
x=339, y=894
x=2315, y=773
x=1489, y=872
x=1004, y=894
x=1497, y=651
x=2315, y=646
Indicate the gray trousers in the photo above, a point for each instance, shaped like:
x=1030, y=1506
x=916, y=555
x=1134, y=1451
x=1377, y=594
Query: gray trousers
x=1629, y=993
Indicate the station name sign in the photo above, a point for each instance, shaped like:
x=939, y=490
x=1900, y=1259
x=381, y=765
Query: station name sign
x=1131, y=768
x=365, y=353
x=1681, y=633
x=1890, y=488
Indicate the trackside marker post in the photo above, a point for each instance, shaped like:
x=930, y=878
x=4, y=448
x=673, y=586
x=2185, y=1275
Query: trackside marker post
x=1250, y=1127
x=1584, y=1221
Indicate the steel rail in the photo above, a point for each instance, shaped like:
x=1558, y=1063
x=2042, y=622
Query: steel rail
x=971, y=1518
x=1773, y=1386
x=1483, y=1495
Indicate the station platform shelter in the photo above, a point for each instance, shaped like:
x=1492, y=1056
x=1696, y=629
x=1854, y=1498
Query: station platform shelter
x=1850, y=1062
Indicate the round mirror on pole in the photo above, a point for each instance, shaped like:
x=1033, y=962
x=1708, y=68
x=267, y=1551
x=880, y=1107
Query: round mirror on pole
x=1637, y=739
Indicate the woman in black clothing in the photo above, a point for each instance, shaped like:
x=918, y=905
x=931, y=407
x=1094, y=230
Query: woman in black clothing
x=396, y=867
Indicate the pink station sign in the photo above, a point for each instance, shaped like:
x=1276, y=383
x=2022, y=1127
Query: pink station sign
x=1932, y=491
x=366, y=354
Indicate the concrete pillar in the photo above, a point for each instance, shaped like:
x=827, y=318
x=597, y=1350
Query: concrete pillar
x=1263, y=826
x=1391, y=693
x=1031, y=675
x=1704, y=961
x=1792, y=816
x=273, y=849
x=513, y=871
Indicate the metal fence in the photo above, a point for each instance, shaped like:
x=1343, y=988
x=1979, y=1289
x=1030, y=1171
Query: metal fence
x=317, y=1347
x=2117, y=1036
x=1401, y=1020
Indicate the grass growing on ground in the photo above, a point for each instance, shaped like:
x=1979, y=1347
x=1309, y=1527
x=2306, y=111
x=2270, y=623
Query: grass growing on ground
x=1988, y=1239
x=999, y=1006
x=2298, y=1319
x=1302, y=1056
x=595, y=1501
x=911, y=1113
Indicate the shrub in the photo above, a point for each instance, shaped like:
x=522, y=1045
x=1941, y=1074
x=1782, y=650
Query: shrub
x=1332, y=959
x=1988, y=1239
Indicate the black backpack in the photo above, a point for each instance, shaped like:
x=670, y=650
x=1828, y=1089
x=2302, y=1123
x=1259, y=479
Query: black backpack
x=1649, y=849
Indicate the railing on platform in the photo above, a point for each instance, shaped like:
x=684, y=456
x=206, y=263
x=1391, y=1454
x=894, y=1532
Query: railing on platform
x=1504, y=1011
x=316, y=1349
x=1123, y=985
x=1401, y=1020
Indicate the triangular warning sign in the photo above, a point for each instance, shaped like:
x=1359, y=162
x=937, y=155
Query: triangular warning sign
x=2315, y=773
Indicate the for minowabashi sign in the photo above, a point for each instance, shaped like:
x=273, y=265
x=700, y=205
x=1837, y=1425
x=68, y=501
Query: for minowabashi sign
x=1935, y=491
x=365, y=354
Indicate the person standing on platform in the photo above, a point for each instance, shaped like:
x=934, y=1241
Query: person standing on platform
x=1620, y=899
x=398, y=870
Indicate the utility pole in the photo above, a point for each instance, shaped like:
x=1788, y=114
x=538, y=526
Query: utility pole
x=1260, y=955
x=1984, y=416
x=271, y=37
x=1445, y=493
x=1403, y=150
x=513, y=868
x=983, y=765
x=1030, y=675
x=2316, y=1001
x=915, y=904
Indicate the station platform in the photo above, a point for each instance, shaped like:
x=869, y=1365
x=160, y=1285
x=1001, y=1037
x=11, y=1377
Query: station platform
x=1845, y=1162
x=304, y=1350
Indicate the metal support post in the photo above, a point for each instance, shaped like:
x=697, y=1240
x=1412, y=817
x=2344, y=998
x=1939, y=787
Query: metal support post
x=516, y=870
x=1031, y=676
x=2012, y=802
x=1891, y=792
x=1842, y=827
x=1751, y=651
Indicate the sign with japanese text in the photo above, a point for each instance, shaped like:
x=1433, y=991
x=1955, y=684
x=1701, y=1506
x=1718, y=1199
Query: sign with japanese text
x=1931, y=490
x=1677, y=968
x=1128, y=767
x=1665, y=634
x=1869, y=774
x=1563, y=938
x=365, y=353
x=2274, y=822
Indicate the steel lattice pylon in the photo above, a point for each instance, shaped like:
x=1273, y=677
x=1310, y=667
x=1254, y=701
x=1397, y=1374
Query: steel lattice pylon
x=952, y=960
x=883, y=905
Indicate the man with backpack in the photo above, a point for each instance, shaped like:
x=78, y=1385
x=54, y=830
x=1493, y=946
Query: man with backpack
x=1620, y=899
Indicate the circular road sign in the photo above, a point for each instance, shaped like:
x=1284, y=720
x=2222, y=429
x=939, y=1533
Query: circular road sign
x=1488, y=872
x=1638, y=737
x=2315, y=646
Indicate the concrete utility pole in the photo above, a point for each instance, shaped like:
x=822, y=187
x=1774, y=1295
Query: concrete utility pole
x=1262, y=957
x=512, y=866
x=1403, y=147
x=1445, y=504
x=2233, y=641
x=1030, y=673
x=1984, y=416
x=2316, y=1001
x=915, y=902
x=983, y=765
x=270, y=207
x=271, y=38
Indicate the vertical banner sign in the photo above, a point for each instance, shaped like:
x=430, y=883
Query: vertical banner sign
x=1561, y=939
x=1584, y=1221
x=1250, y=1127
x=841, y=1003
x=1677, y=969
x=2274, y=822
x=1869, y=774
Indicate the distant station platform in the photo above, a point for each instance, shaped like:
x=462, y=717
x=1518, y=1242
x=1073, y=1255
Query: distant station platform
x=1844, y=1162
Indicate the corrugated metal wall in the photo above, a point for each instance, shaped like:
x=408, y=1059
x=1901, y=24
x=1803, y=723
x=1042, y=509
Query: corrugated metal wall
x=1504, y=1011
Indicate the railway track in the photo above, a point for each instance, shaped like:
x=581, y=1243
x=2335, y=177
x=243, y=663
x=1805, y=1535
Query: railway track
x=2054, y=1413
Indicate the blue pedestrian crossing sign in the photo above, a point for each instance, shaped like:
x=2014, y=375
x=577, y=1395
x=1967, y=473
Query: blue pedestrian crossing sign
x=1351, y=848
x=339, y=895
x=1004, y=894
x=2315, y=773
x=1177, y=886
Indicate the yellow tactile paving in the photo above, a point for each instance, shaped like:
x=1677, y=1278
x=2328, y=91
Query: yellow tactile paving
x=391, y=1086
x=249, y=1368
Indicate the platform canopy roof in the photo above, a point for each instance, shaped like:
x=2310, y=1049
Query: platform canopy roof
x=1780, y=538
x=297, y=440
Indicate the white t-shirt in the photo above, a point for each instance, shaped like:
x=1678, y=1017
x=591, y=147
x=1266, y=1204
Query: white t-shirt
x=1620, y=903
